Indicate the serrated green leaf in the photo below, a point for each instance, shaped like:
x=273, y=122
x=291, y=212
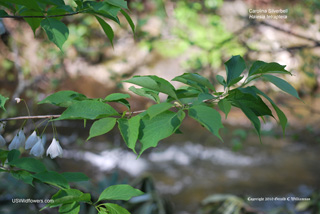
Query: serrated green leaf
x=29, y=164
x=154, y=83
x=194, y=77
x=115, y=209
x=282, y=117
x=129, y=20
x=88, y=109
x=53, y=178
x=208, y=117
x=70, y=208
x=23, y=175
x=282, y=84
x=107, y=29
x=56, y=31
x=74, y=176
x=158, y=109
x=63, y=98
x=129, y=129
x=153, y=95
x=119, y=192
x=33, y=22
x=3, y=13
x=150, y=134
x=260, y=67
x=221, y=80
x=13, y=155
x=234, y=67
x=225, y=106
x=102, y=126
x=245, y=98
x=3, y=101
x=118, y=3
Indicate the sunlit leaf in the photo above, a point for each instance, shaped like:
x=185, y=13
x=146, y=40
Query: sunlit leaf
x=153, y=95
x=129, y=129
x=119, y=192
x=194, y=77
x=260, y=67
x=56, y=31
x=70, y=208
x=208, y=117
x=150, y=133
x=102, y=126
x=115, y=209
x=158, y=109
x=63, y=98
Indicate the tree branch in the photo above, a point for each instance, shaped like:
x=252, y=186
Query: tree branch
x=48, y=16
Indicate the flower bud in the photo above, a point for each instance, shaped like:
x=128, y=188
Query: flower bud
x=54, y=149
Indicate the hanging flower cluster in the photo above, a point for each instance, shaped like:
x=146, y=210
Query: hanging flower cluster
x=34, y=143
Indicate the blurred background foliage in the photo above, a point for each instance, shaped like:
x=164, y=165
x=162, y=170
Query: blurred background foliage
x=173, y=37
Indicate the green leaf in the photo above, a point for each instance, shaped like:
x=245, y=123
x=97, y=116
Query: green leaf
x=150, y=133
x=3, y=156
x=102, y=126
x=260, y=67
x=208, y=117
x=52, y=2
x=63, y=98
x=30, y=4
x=74, y=176
x=103, y=8
x=53, y=11
x=116, y=96
x=107, y=29
x=194, y=77
x=235, y=81
x=252, y=117
x=115, y=209
x=221, y=80
x=13, y=155
x=118, y=3
x=245, y=97
x=70, y=208
x=56, y=31
x=282, y=84
x=225, y=106
x=3, y=13
x=119, y=98
x=53, y=178
x=33, y=22
x=119, y=192
x=154, y=83
x=68, y=196
x=129, y=129
x=129, y=20
x=23, y=175
x=88, y=109
x=29, y=164
x=3, y=101
x=282, y=117
x=153, y=95
x=154, y=110
x=234, y=67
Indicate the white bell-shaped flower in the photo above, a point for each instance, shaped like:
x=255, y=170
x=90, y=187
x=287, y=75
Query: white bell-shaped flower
x=54, y=149
x=38, y=149
x=32, y=140
x=17, y=141
x=2, y=141
x=22, y=137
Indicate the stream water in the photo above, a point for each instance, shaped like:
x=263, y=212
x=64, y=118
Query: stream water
x=189, y=167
